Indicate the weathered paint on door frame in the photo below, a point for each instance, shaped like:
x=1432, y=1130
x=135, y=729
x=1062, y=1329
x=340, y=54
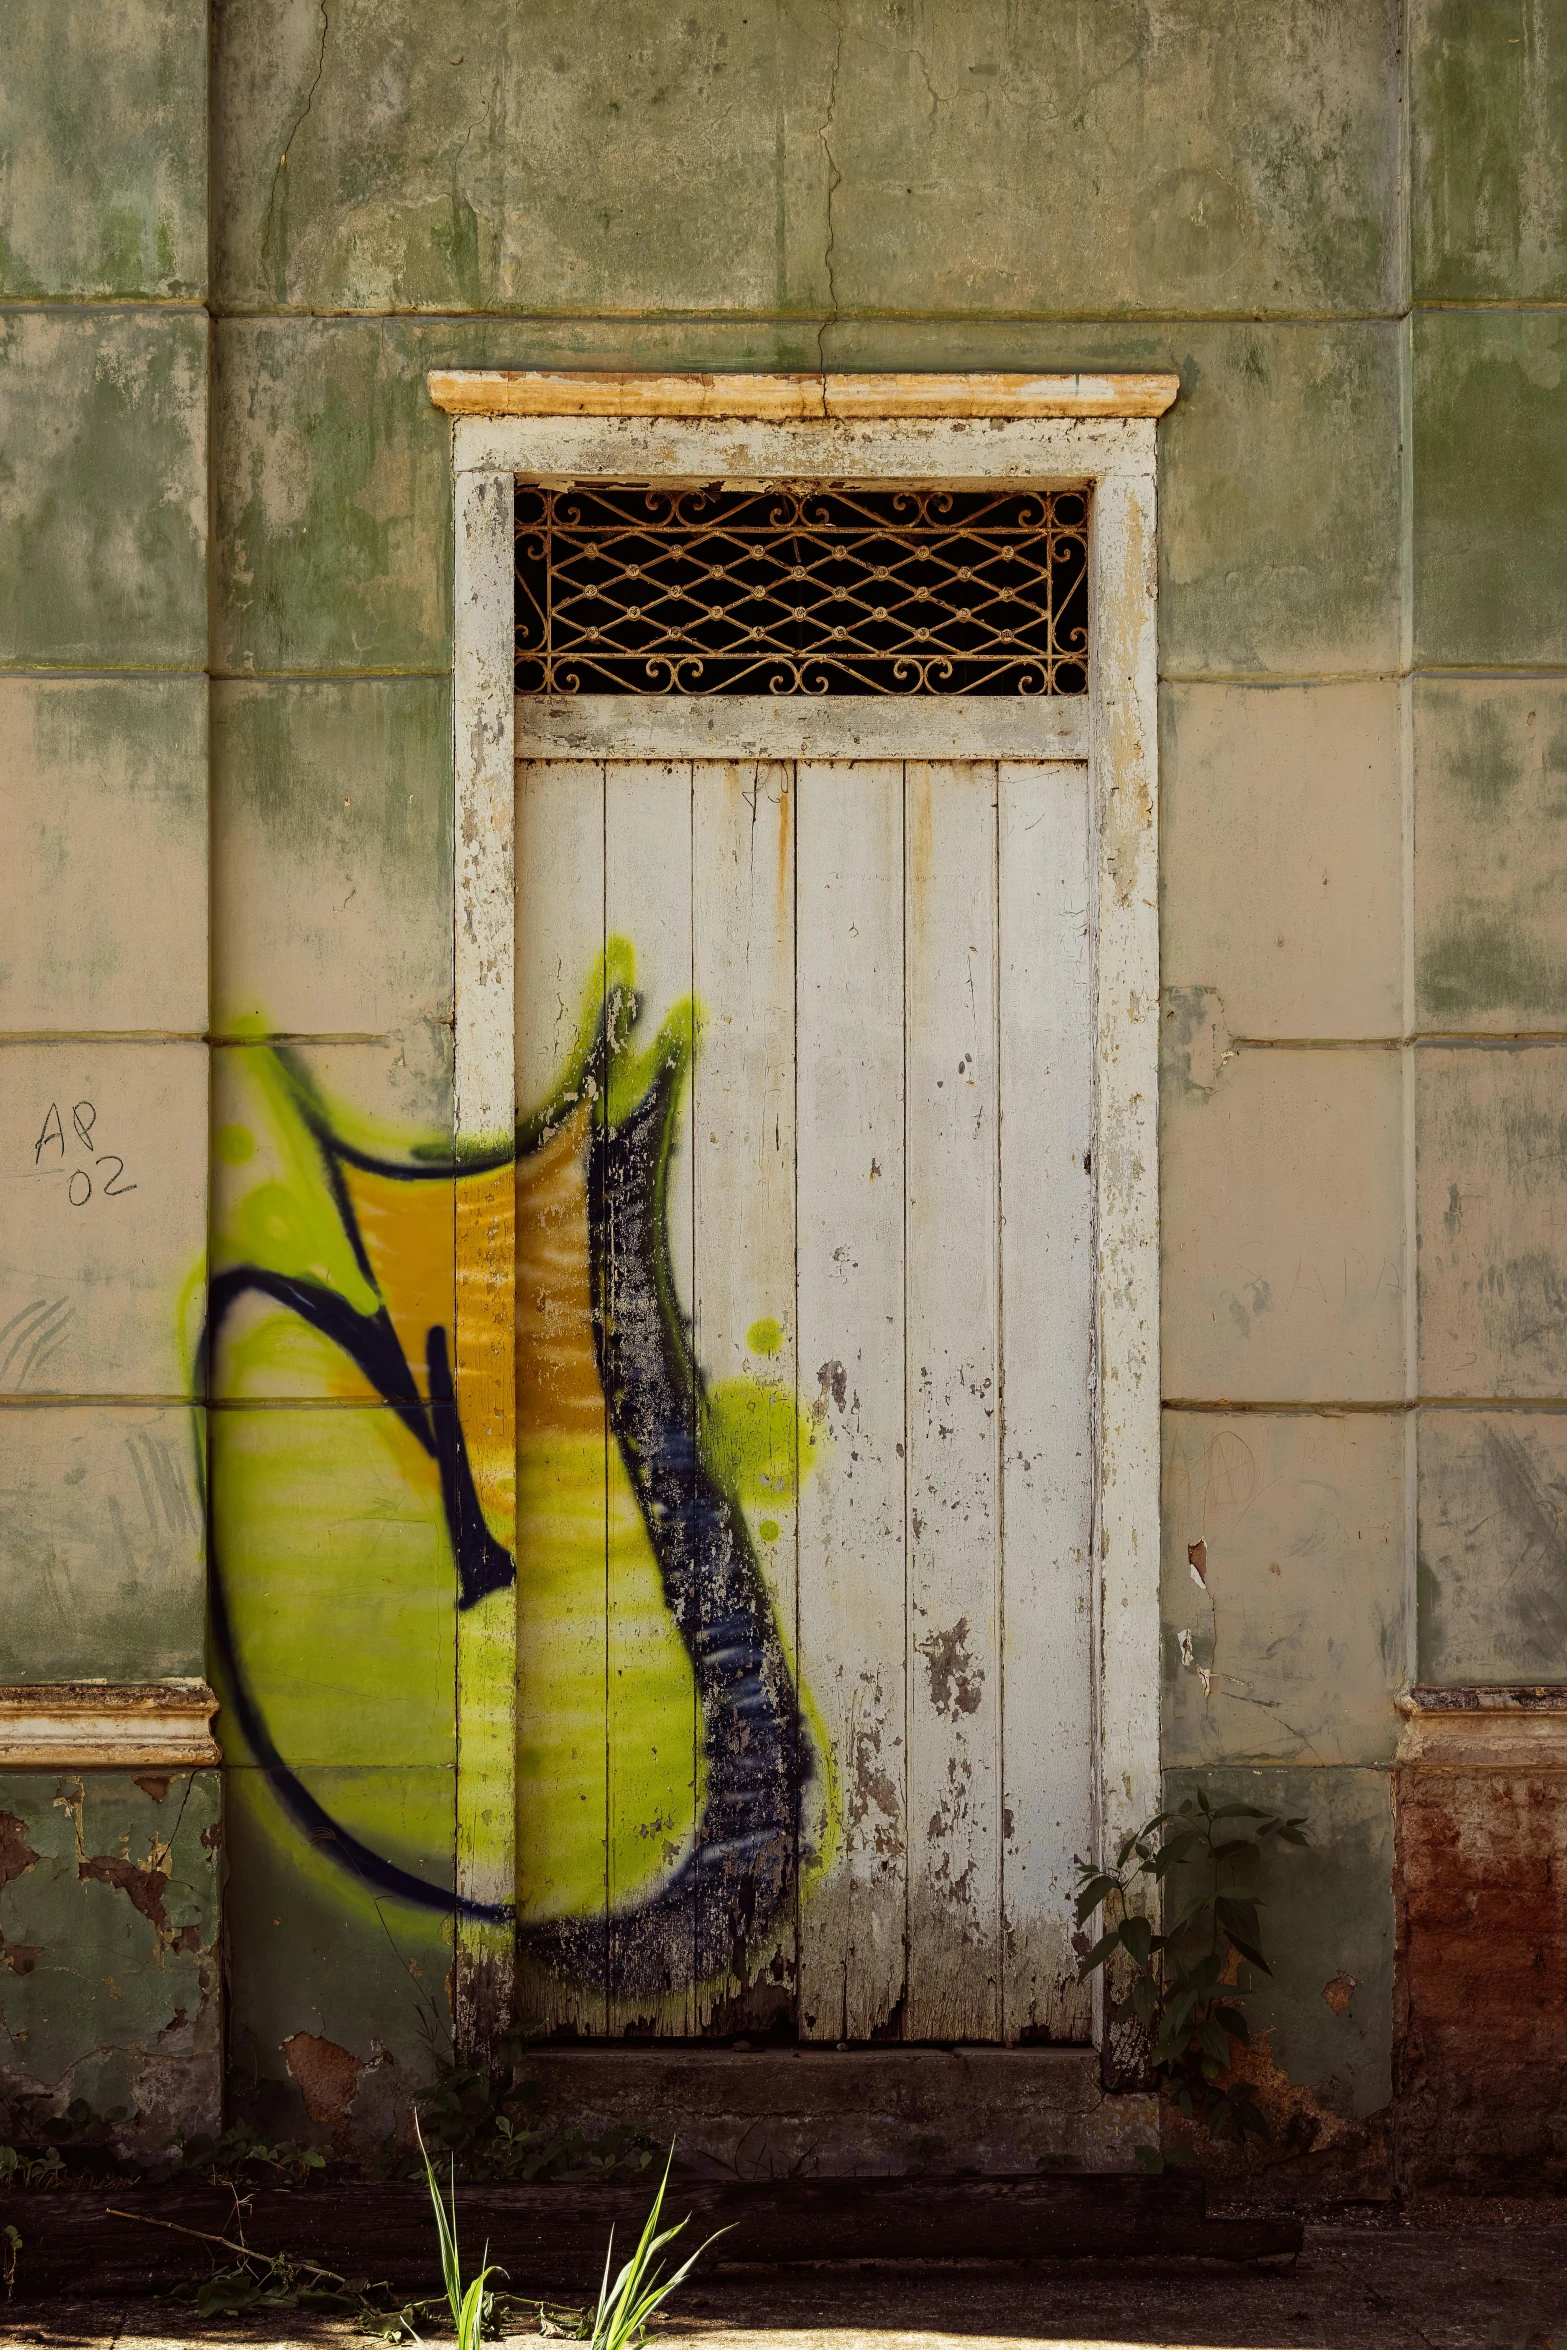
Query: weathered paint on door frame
x=1038, y=430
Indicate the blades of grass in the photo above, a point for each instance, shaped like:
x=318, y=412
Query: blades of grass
x=639, y=2289
x=599, y=2313
x=470, y=2317
x=465, y=2303
x=648, y=2243
x=639, y=2267
x=659, y=2291
x=446, y=2229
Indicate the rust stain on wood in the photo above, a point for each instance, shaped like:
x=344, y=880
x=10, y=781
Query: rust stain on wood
x=956, y=1682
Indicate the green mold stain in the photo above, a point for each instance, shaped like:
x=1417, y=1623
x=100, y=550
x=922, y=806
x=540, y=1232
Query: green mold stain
x=1484, y=963
x=1483, y=758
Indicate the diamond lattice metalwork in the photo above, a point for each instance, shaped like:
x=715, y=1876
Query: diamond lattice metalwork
x=638, y=588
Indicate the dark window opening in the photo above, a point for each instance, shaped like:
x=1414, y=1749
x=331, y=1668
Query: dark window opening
x=635, y=588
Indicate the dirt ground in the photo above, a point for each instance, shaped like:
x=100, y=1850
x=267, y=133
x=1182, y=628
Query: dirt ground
x=1390, y=2286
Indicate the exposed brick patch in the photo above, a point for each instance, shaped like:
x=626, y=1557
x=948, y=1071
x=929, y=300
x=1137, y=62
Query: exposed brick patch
x=327, y=2076
x=1481, y=2015
x=1313, y=2152
x=16, y=1854
x=144, y=1888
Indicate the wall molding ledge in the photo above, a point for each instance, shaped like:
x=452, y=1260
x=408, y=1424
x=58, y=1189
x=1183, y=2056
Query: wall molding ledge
x=796, y=399
x=104, y=1726
x=1520, y=1728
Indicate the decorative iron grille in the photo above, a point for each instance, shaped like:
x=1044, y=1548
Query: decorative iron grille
x=635, y=588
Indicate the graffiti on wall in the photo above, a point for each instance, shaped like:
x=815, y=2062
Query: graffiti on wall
x=670, y=1784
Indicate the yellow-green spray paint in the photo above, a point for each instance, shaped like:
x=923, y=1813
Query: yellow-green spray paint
x=671, y=1782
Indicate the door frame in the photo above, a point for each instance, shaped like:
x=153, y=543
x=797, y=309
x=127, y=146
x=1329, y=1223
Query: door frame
x=1035, y=430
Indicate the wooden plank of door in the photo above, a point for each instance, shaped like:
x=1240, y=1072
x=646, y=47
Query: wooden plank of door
x=652, y=1732
x=953, y=1657
x=483, y=1366
x=743, y=1177
x=1047, y=1490
x=850, y=1316
x=561, y=1427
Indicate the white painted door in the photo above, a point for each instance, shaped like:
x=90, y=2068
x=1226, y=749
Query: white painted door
x=805, y=1396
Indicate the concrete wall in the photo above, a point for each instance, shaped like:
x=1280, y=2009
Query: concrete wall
x=108, y=1885
x=1345, y=223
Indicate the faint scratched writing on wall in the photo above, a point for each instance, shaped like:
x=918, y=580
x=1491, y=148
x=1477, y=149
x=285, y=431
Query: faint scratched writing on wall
x=662, y=1745
x=51, y=1151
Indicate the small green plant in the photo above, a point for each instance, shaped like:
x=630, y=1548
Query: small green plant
x=471, y=2305
x=11, y=2240
x=250, y=2280
x=83, y=2130
x=623, y=2309
x=20, y=2169
x=276, y=2281
x=1186, y=1984
x=239, y=2155
x=625, y=2306
x=494, y=2124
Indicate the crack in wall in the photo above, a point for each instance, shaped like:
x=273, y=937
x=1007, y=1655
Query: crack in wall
x=298, y=125
x=834, y=183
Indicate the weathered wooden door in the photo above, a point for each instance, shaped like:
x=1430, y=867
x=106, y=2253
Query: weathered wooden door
x=805, y=1396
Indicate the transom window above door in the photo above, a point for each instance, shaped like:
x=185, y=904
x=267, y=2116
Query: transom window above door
x=801, y=588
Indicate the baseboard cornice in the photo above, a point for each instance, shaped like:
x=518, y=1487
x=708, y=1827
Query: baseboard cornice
x=105, y=1725
x=1517, y=1728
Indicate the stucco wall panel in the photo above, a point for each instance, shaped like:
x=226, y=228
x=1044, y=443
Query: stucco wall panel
x=1489, y=197
x=1491, y=1141
x=1280, y=883
x=1282, y=1218
x=1282, y=1587
x=1493, y=1546
x=1324, y=2017
x=332, y=856
x=1194, y=165
x=104, y=1215
x=101, y=1547
x=474, y=159
x=1490, y=488
x=103, y=853
x=108, y=1940
x=790, y=160
x=1278, y=502
x=103, y=131
x=103, y=512
x=1491, y=853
